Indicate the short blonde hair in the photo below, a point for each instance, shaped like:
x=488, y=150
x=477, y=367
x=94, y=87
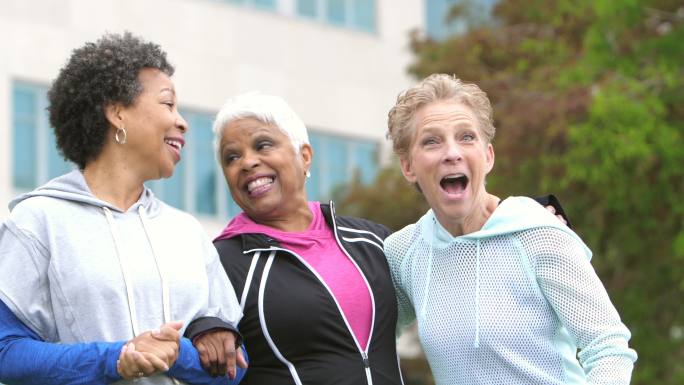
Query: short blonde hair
x=434, y=88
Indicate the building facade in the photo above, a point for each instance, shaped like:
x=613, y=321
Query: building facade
x=339, y=63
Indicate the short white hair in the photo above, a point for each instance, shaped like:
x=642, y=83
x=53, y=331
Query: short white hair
x=268, y=109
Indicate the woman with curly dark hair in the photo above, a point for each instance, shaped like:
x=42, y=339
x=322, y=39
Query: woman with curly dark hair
x=91, y=264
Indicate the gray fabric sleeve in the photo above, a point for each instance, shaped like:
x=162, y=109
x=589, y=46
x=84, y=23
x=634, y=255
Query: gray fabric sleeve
x=24, y=282
x=222, y=302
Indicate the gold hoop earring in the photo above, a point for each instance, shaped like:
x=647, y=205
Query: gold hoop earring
x=120, y=131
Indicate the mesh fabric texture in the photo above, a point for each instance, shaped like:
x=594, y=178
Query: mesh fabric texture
x=509, y=309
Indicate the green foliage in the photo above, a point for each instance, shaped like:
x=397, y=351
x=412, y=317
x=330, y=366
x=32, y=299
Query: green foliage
x=589, y=104
x=390, y=200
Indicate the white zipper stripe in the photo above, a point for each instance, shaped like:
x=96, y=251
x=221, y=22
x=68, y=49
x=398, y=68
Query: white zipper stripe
x=248, y=281
x=363, y=240
x=339, y=308
x=262, y=321
x=401, y=377
x=349, y=229
x=364, y=352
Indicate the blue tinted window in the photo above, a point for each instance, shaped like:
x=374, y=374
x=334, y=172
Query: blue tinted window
x=35, y=157
x=24, y=133
x=365, y=161
x=308, y=8
x=437, y=12
x=233, y=208
x=336, y=12
x=204, y=163
x=267, y=4
x=57, y=165
x=337, y=151
x=313, y=189
x=364, y=14
x=336, y=161
x=172, y=190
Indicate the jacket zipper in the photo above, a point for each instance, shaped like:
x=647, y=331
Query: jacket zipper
x=363, y=353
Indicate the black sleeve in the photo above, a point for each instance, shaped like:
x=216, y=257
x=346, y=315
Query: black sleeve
x=551, y=200
x=204, y=324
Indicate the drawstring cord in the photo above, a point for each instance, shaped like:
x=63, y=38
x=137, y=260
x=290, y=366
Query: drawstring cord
x=166, y=303
x=421, y=314
x=423, y=305
x=123, y=263
x=476, y=344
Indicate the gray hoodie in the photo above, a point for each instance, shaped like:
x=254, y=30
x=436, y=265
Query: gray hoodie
x=76, y=269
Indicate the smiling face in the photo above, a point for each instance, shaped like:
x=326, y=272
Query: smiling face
x=264, y=173
x=154, y=127
x=449, y=158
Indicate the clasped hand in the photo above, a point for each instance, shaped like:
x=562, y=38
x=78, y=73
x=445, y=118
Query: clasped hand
x=219, y=353
x=151, y=352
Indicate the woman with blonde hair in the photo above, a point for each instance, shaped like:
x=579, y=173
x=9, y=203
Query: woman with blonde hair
x=502, y=292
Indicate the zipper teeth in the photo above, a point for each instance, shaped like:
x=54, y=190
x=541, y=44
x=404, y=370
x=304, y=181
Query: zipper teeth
x=318, y=276
x=364, y=352
x=365, y=280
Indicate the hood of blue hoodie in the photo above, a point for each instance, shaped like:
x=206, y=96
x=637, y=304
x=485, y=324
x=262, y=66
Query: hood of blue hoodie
x=514, y=214
x=73, y=187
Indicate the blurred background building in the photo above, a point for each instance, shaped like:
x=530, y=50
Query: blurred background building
x=339, y=63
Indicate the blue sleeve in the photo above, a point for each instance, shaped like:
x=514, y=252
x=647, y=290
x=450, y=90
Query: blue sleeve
x=189, y=369
x=26, y=359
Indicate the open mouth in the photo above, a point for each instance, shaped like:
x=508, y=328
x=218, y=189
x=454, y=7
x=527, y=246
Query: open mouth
x=177, y=144
x=260, y=185
x=454, y=184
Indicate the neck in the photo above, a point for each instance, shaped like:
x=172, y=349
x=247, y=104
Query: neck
x=296, y=220
x=110, y=180
x=482, y=210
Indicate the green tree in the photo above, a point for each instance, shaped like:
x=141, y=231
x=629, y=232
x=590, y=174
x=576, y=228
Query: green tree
x=589, y=104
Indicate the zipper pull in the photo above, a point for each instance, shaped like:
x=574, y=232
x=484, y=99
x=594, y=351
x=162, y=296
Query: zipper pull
x=366, y=361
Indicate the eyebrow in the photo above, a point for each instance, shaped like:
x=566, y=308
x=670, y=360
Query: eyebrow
x=437, y=127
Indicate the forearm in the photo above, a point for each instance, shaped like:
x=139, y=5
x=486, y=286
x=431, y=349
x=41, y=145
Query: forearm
x=583, y=306
x=28, y=361
x=189, y=369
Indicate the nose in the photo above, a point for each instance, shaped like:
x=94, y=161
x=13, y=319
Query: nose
x=250, y=160
x=181, y=123
x=452, y=152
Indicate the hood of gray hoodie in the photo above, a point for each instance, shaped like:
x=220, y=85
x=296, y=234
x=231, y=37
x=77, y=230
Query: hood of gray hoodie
x=73, y=187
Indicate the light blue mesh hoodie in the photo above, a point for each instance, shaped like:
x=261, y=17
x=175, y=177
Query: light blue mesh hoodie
x=76, y=269
x=509, y=304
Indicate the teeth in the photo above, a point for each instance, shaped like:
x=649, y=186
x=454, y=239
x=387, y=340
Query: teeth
x=175, y=143
x=258, y=183
x=454, y=176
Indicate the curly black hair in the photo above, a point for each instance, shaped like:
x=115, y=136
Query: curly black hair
x=95, y=76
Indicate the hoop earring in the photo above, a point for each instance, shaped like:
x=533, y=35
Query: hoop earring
x=119, y=140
